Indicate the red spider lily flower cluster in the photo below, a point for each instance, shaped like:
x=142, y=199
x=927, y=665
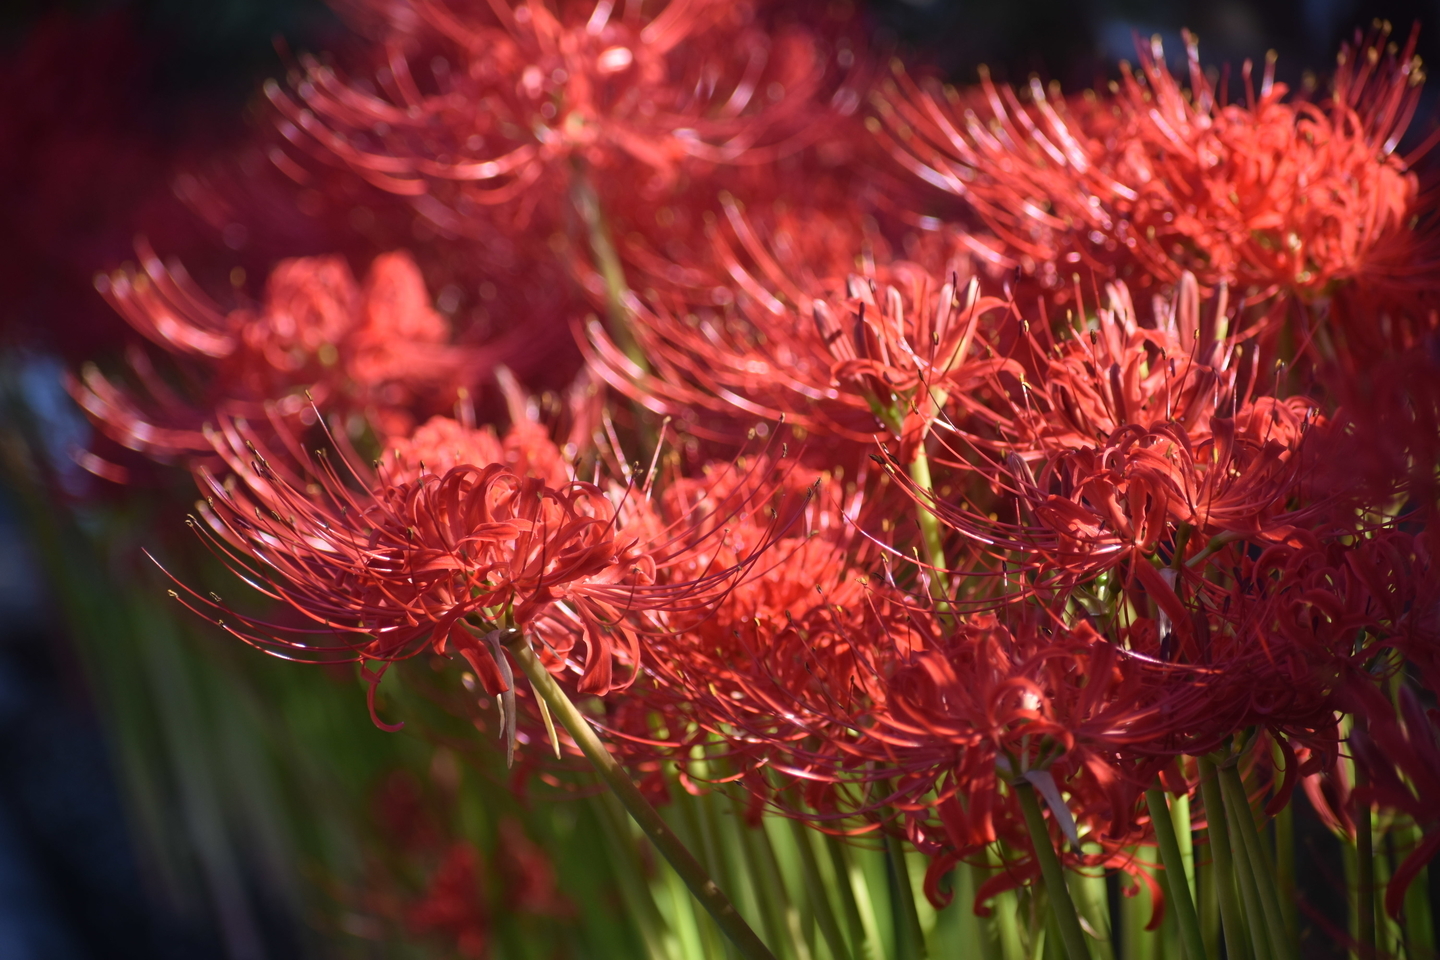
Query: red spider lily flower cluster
x=926, y=537
x=839, y=353
x=380, y=350
x=517, y=93
x=385, y=566
x=1159, y=178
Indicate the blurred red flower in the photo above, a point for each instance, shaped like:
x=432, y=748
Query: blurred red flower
x=1156, y=178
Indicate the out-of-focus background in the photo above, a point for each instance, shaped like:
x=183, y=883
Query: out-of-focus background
x=164, y=793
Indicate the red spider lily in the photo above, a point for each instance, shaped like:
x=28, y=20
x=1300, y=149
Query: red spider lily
x=1272, y=195
x=1111, y=505
x=441, y=444
x=1257, y=638
x=1059, y=396
x=1380, y=591
x=380, y=349
x=481, y=282
x=529, y=114
x=702, y=260
x=435, y=562
x=527, y=449
x=1110, y=441
x=851, y=356
x=792, y=655
x=987, y=702
x=521, y=90
x=528, y=874
x=1253, y=619
x=438, y=446
x=983, y=704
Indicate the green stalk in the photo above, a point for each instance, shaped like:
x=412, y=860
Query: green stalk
x=1347, y=852
x=909, y=939
x=1244, y=873
x=1178, y=883
x=1059, y=894
x=816, y=893
x=1389, y=935
x=623, y=856
x=930, y=534
x=1045, y=940
x=655, y=827
x=1136, y=943
x=1180, y=818
x=957, y=927
x=725, y=846
x=1006, y=913
x=691, y=813
x=1419, y=924
x=1007, y=922
x=1285, y=860
x=1365, y=873
x=1093, y=904
x=785, y=859
x=612, y=272
x=1207, y=906
x=1285, y=871
x=1261, y=872
x=764, y=875
x=1223, y=871
x=850, y=908
x=689, y=931
x=872, y=895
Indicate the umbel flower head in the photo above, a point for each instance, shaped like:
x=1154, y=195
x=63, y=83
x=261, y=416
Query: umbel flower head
x=383, y=566
x=1156, y=178
x=779, y=670
x=378, y=349
x=846, y=350
x=515, y=92
x=1106, y=442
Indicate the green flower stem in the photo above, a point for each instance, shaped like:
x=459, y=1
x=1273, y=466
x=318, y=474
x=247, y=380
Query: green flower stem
x=625, y=860
x=1207, y=906
x=849, y=907
x=1005, y=913
x=1224, y=868
x=1365, y=879
x=1261, y=872
x=930, y=534
x=1260, y=865
x=909, y=939
x=701, y=885
x=1285, y=871
x=818, y=896
x=1178, y=883
x=969, y=932
x=1092, y=902
x=612, y=272
x=1419, y=924
x=701, y=824
x=1054, y=875
x=764, y=877
x=1180, y=817
x=1137, y=943
x=1244, y=874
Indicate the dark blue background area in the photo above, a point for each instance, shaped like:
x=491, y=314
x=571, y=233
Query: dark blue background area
x=69, y=884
